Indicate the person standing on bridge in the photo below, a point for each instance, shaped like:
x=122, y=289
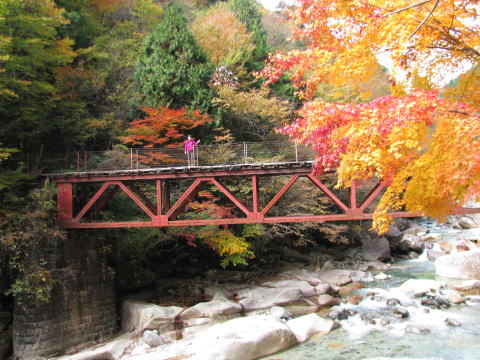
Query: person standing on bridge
x=190, y=145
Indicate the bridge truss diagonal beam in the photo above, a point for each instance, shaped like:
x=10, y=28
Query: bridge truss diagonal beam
x=162, y=213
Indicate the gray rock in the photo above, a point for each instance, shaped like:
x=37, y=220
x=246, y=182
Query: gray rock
x=298, y=310
x=340, y=314
x=467, y=285
x=431, y=302
x=413, y=329
x=219, y=305
x=280, y=312
x=393, y=235
x=335, y=277
x=432, y=237
x=325, y=288
x=306, y=326
x=469, y=221
x=393, y=302
x=420, y=286
x=453, y=297
x=112, y=349
x=302, y=274
x=244, y=338
x=452, y=322
x=138, y=316
x=327, y=300
x=376, y=249
x=462, y=265
x=411, y=242
x=151, y=338
x=257, y=298
x=305, y=288
x=415, y=230
x=401, y=313
x=357, y=275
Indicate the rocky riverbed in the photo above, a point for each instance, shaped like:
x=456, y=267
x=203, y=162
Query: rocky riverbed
x=341, y=306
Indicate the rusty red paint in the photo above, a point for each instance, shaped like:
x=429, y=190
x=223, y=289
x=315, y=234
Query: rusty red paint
x=162, y=214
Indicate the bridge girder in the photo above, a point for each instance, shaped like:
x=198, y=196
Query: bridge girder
x=162, y=213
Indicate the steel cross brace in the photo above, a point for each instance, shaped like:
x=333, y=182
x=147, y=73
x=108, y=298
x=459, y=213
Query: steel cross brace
x=162, y=213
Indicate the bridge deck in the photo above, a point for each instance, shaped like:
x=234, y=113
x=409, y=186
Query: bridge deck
x=274, y=168
x=81, y=211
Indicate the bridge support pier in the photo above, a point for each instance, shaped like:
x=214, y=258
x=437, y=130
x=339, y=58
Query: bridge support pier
x=82, y=305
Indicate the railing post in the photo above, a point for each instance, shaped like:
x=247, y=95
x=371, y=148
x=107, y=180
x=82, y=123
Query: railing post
x=136, y=154
x=131, y=158
x=78, y=160
x=244, y=152
x=85, y=160
x=296, y=152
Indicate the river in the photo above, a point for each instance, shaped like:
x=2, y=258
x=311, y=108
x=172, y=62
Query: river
x=360, y=339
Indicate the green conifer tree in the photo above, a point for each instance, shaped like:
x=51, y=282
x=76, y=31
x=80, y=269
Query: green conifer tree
x=173, y=71
x=248, y=13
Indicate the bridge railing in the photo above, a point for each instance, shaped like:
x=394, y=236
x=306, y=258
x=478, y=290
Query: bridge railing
x=123, y=158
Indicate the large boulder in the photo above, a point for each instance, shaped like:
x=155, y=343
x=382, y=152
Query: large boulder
x=302, y=274
x=416, y=230
x=376, y=249
x=257, y=298
x=469, y=221
x=460, y=265
x=112, y=350
x=419, y=286
x=138, y=316
x=335, y=277
x=306, y=326
x=239, y=339
x=467, y=285
x=393, y=235
x=305, y=288
x=219, y=305
x=411, y=242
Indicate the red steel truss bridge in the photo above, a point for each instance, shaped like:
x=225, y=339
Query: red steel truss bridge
x=163, y=187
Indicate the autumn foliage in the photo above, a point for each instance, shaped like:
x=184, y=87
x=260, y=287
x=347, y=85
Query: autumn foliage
x=425, y=147
x=344, y=39
x=164, y=128
x=223, y=37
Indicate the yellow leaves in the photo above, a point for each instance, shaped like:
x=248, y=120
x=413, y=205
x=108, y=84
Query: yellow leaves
x=225, y=243
x=223, y=37
x=344, y=38
x=467, y=88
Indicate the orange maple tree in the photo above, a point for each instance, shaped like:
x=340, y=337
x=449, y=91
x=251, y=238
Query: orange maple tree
x=344, y=38
x=426, y=147
x=164, y=128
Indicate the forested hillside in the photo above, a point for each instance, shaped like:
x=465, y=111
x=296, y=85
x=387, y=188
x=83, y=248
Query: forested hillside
x=84, y=75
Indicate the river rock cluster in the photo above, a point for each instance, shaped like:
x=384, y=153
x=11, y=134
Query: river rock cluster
x=247, y=320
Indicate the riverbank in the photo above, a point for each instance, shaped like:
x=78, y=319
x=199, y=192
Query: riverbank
x=349, y=299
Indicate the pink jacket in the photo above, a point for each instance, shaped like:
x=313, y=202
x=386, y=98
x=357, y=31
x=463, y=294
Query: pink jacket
x=190, y=145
